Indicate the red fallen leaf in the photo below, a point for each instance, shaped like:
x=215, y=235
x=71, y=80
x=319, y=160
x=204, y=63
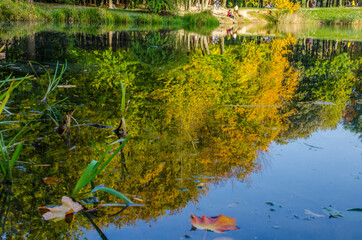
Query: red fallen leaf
x=66, y=210
x=216, y=224
x=52, y=180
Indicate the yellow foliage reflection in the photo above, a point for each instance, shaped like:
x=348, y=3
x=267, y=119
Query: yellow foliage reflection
x=209, y=118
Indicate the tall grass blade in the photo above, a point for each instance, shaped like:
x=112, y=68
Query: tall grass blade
x=94, y=168
x=95, y=147
x=5, y=158
x=3, y=146
x=6, y=95
x=3, y=169
x=123, y=102
x=99, y=169
x=9, y=79
x=6, y=98
x=103, y=156
x=53, y=81
x=13, y=159
x=112, y=191
x=84, y=178
x=19, y=133
x=3, y=162
x=16, y=155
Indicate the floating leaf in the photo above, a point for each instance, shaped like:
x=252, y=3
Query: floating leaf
x=309, y=212
x=355, y=210
x=233, y=204
x=332, y=212
x=111, y=191
x=65, y=211
x=215, y=224
x=52, y=180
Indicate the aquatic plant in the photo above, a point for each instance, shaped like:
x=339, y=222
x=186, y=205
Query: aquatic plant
x=94, y=168
x=6, y=95
x=124, y=108
x=7, y=161
x=53, y=80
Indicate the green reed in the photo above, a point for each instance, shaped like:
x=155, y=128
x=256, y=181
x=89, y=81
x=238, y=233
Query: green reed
x=94, y=168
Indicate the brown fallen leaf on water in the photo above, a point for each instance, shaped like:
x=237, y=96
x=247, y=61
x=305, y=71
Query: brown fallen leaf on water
x=216, y=224
x=52, y=180
x=65, y=211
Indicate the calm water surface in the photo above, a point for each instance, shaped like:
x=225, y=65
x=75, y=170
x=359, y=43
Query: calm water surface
x=248, y=122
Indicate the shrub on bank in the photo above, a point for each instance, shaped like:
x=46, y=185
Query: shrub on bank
x=21, y=11
x=204, y=18
x=11, y=11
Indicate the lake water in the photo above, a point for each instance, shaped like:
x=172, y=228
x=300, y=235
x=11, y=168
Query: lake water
x=258, y=123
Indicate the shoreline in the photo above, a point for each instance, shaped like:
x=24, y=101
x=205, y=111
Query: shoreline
x=328, y=16
x=209, y=18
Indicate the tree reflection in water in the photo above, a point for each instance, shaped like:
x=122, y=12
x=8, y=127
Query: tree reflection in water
x=197, y=117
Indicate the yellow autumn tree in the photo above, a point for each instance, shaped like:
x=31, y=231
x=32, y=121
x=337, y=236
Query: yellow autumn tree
x=286, y=5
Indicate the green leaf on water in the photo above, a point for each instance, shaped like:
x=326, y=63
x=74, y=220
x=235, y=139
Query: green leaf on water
x=111, y=191
x=355, y=210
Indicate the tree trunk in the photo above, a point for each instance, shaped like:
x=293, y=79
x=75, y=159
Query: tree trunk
x=110, y=38
x=206, y=45
x=30, y=47
x=188, y=42
x=197, y=39
x=202, y=45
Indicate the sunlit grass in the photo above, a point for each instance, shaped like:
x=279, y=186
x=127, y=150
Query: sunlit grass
x=11, y=11
x=340, y=15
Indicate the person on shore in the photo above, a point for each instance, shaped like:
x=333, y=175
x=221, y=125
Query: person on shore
x=236, y=10
x=229, y=31
x=353, y=3
x=217, y=4
x=230, y=15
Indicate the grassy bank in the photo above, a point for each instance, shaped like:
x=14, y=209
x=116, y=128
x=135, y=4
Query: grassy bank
x=11, y=11
x=331, y=16
x=341, y=15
